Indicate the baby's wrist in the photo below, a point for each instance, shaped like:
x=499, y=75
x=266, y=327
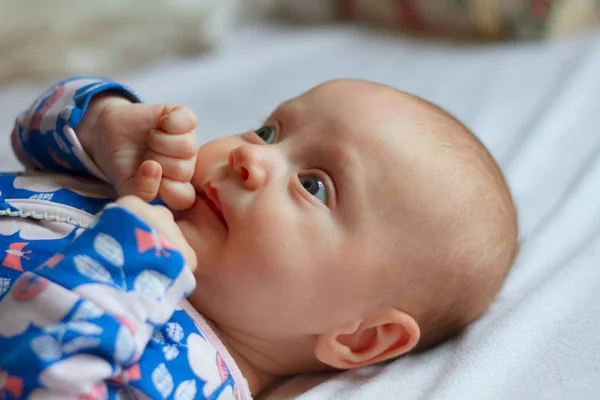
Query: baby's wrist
x=88, y=127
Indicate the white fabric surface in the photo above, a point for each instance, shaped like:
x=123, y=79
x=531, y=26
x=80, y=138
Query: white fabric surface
x=536, y=106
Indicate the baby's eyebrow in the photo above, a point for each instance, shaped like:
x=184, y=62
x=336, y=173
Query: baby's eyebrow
x=288, y=110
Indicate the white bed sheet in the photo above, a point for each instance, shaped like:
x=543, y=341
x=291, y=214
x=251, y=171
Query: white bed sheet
x=535, y=106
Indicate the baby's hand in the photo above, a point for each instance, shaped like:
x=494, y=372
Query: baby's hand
x=144, y=149
x=170, y=160
x=161, y=219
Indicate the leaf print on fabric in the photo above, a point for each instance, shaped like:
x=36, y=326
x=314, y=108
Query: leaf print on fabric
x=92, y=269
x=186, y=390
x=80, y=343
x=4, y=285
x=151, y=283
x=87, y=310
x=162, y=380
x=46, y=348
x=175, y=331
x=108, y=247
x=124, y=345
x=81, y=327
x=170, y=351
x=84, y=328
x=158, y=337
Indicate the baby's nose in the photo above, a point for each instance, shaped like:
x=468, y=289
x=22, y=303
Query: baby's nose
x=251, y=164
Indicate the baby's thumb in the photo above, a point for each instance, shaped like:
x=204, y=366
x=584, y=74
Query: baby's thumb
x=146, y=181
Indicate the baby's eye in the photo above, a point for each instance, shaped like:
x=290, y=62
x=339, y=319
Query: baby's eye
x=315, y=186
x=267, y=133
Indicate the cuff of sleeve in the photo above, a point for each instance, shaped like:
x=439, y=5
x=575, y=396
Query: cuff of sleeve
x=74, y=112
x=85, y=94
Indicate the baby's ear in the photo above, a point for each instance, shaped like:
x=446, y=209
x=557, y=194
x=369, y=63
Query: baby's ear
x=386, y=334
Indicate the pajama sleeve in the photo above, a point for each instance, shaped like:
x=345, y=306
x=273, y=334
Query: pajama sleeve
x=83, y=318
x=43, y=137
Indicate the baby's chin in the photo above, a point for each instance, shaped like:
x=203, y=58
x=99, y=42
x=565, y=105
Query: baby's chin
x=204, y=232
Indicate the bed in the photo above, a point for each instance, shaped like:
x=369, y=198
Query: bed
x=535, y=105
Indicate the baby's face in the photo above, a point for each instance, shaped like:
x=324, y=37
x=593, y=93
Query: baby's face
x=295, y=221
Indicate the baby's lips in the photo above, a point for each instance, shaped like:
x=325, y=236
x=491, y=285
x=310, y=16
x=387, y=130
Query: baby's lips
x=213, y=195
x=214, y=202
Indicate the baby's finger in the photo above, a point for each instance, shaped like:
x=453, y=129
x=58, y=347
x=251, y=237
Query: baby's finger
x=177, y=195
x=177, y=119
x=183, y=145
x=179, y=169
x=146, y=182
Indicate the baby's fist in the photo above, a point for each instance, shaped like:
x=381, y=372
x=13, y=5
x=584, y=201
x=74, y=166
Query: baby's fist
x=171, y=155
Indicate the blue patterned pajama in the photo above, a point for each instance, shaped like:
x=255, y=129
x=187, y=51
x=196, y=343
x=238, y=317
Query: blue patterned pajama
x=92, y=299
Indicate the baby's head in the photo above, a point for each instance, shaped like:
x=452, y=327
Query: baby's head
x=358, y=224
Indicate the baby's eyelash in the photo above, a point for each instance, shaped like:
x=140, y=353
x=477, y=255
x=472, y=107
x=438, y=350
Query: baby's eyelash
x=328, y=185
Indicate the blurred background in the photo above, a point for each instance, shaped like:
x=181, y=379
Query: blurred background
x=41, y=40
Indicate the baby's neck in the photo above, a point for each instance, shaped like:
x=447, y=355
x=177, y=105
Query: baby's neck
x=264, y=361
x=251, y=363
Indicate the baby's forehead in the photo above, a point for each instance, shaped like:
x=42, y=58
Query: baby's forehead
x=364, y=103
x=370, y=127
x=383, y=130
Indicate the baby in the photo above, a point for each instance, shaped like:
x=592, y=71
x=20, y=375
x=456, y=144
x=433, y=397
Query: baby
x=358, y=224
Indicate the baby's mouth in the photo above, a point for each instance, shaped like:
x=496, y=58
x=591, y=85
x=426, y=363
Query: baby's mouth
x=211, y=197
